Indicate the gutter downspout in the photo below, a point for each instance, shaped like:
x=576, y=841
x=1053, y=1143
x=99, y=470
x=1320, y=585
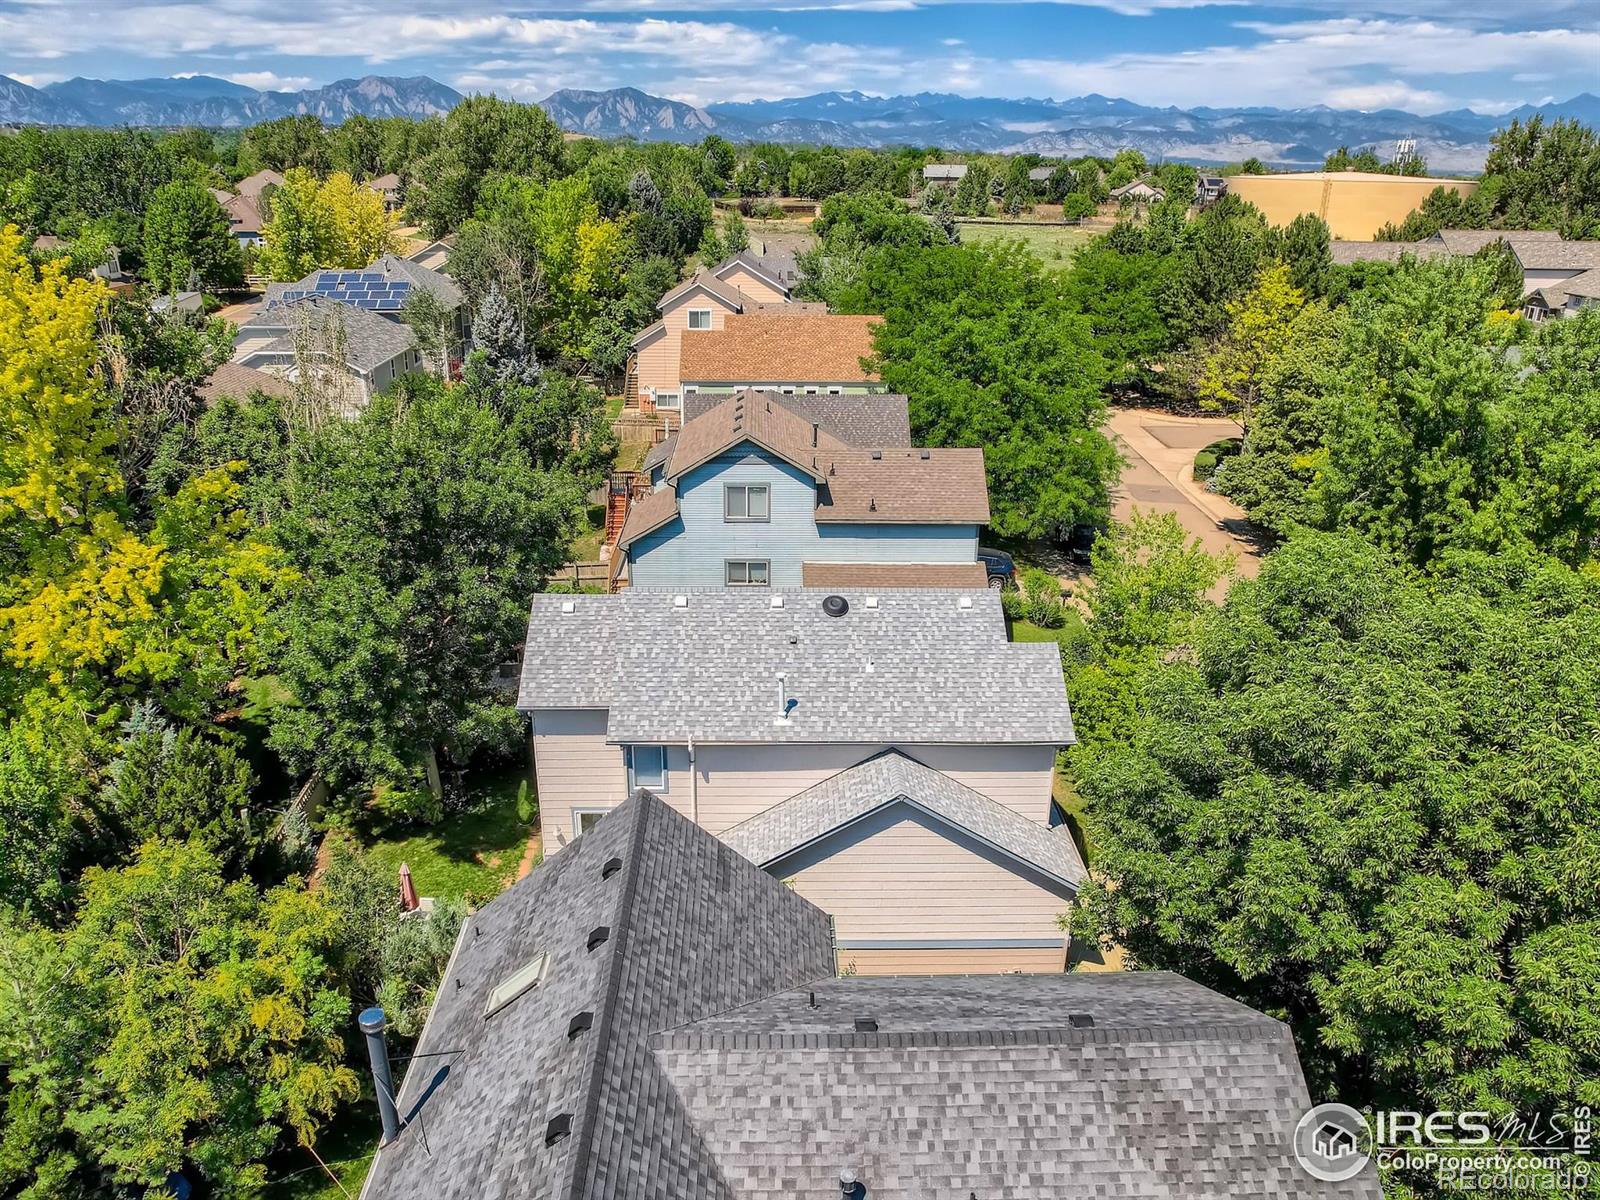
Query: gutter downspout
x=694, y=784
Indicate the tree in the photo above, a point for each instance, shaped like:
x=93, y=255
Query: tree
x=1078, y=205
x=1221, y=251
x=1305, y=250
x=1120, y=294
x=186, y=234
x=180, y=1020
x=1357, y=805
x=972, y=193
x=419, y=525
x=363, y=229
x=991, y=356
x=480, y=138
x=1253, y=166
x=1261, y=326
x=302, y=234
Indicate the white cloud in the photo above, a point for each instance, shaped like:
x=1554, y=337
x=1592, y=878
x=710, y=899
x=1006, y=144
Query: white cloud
x=267, y=81
x=1393, y=94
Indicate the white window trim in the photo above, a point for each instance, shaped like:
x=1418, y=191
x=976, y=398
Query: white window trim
x=747, y=488
x=660, y=789
x=835, y=391
x=692, y=314
x=588, y=811
x=672, y=401
x=727, y=565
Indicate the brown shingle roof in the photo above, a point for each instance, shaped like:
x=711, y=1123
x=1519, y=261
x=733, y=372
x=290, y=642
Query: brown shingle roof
x=231, y=379
x=753, y=417
x=794, y=348
x=647, y=514
x=906, y=487
x=1344, y=253
x=1470, y=241
x=1558, y=256
x=1586, y=285
x=893, y=575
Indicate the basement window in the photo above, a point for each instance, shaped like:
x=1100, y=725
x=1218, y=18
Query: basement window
x=524, y=979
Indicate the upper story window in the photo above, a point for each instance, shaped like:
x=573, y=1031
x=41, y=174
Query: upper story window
x=746, y=502
x=648, y=766
x=699, y=318
x=746, y=572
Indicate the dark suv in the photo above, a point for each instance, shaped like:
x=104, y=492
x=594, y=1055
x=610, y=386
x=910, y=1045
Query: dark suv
x=1078, y=542
x=1002, y=570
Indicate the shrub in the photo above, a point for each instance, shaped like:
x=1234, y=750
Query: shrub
x=1042, y=604
x=527, y=806
x=1206, y=462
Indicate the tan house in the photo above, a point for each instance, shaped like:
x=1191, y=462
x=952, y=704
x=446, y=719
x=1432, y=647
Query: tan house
x=251, y=186
x=387, y=186
x=800, y=354
x=741, y=284
x=889, y=752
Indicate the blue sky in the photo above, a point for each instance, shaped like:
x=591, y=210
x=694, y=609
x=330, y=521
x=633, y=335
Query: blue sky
x=1422, y=55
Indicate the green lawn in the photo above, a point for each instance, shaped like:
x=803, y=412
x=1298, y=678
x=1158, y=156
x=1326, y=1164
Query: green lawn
x=586, y=546
x=473, y=853
x=1053, y=244
x=346, y=1145
x=1072, y=807
x=1027, y=631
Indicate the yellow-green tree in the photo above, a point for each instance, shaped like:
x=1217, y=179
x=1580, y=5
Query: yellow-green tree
x=1260, y=327
x=324, y=223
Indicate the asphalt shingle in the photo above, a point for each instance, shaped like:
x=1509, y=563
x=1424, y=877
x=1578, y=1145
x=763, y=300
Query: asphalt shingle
x=929, y=666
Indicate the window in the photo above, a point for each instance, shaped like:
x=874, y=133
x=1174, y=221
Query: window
x=519, y=981
x=787, y=389
x=810, y=390
x=668, y=400
x=836, y=391
x=649, y=768
x=746, y=502
x=746, y=572
x=583, y=819
x=699, y=318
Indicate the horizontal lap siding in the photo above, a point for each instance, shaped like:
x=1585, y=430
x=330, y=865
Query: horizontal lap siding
x=574, y=768
x=952, y=962
x=1019, y=777
x=754, y=286
x=658, y=361
x=693, y=553
x=901, y=876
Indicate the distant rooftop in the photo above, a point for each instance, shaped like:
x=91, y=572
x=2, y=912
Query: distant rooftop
x=767, y=348
x=929, y=666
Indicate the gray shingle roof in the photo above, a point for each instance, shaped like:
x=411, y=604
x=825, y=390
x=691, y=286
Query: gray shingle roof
x=780, y=269
x=726, y=292
x=894, y=778
x=441, y=285
x=693, y=930
x=722, y=1060
x=981, y=1085
x=369, y=340
x=875, y=420
x=928, y=666
x=1345, y=253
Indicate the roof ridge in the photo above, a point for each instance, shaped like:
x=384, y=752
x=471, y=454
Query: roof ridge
x=606, y=1005
x=683, y=1037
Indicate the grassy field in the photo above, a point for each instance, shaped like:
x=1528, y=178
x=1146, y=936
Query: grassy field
x=1027, y=631
x=473, y=853
x=586, y=546
x=1053, y=244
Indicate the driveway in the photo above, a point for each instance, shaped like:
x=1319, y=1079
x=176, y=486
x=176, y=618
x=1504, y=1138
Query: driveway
x=1159, y=450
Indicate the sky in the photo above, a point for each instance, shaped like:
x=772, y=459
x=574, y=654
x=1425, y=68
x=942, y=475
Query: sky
x=1422, y=55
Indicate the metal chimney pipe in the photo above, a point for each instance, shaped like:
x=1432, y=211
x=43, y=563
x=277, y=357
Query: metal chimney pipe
x=373, y=1023
x=783, y=697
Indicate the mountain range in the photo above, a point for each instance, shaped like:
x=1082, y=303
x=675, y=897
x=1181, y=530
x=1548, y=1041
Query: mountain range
x=1449, y=141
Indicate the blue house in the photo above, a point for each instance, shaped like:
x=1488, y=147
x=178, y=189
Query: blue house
x=752, y=493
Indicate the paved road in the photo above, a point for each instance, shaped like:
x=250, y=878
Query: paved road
x=1159, y=449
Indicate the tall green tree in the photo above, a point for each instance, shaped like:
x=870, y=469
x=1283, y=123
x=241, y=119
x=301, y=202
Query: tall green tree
x=1363, y=803
x=186, y=234
x=483, y=136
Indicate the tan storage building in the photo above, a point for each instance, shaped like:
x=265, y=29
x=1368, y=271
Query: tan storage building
x=1355, y=204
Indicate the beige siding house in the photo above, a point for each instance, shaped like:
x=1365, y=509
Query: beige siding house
x=890, y=755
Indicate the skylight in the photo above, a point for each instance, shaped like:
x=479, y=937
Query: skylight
x=529, y=976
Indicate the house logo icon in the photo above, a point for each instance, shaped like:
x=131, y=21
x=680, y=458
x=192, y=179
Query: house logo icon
x=1332, y=1142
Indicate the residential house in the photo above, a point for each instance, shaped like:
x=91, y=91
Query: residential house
x=805, y=353
x=1138, y=192
x=434, y=255
x=751, y=491
x=231, y=379
x=245, y=222
x=111, y=274
x=383, y=287
x=769, y=278
x=252, y=186
x=944, y=174
x=889, y=752
x=1208, y=189
x=186, y=301
x=387, y=186
x=647, y=1016
x=355, y=352
x=702, y=303
x=1041, y=175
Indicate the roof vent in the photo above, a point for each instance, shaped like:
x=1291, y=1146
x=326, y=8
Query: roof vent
x=872, y=602
x=599, y=935
x=560, y=1127
x=877, y=456
x=866, y=1025
x=613, y=865
x=964, y=602
x=776, y=602
x=581, y=1023
x=1080, y=1020
x=835, y=606
x=872, y=505
x=569, y=606
x=924, y=455
x=680, y=602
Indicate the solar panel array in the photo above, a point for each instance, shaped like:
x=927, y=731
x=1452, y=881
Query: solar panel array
x=360, y=289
